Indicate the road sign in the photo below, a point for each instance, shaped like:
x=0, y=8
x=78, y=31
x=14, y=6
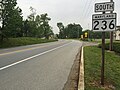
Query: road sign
x=86, y=34
x=82, y=36
x=104, y=7
x=104, y=22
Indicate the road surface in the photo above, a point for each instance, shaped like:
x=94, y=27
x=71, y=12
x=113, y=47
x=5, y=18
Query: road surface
x=37, y=67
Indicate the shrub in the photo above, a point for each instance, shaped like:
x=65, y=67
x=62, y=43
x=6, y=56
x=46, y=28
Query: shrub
x=116, y=46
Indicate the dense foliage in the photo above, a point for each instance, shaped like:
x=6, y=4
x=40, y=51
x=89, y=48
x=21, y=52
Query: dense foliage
x=75, y=31
x=70, y=31
x=13, y=25
x=116, y=46
x=95, y=35
x=10, y=18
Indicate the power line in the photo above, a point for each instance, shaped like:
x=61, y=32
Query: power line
x=89, y=8
x=85, y=8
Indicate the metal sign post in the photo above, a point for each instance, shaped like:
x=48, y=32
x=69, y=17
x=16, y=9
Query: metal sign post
x=111, y=35
x=103, y=57
x=103, y=23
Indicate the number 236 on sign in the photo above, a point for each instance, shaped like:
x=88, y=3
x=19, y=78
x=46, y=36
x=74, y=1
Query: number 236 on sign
x=104, y=22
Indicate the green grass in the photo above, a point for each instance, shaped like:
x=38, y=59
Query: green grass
x=100, y=40
x=92, y=56
x=106, y=41
x=13, y=42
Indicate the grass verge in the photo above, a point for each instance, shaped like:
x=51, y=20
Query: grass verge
x=13, y=42
x=92, y=56
x=106, y=41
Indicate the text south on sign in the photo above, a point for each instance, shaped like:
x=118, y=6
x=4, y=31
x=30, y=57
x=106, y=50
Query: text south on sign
x=104, y=7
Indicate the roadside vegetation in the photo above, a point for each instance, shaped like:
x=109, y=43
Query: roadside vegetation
x=89, y=35
x=116, y=46
x=13, y=28
x=71, y=31
x=13, y=42
x=92, y=56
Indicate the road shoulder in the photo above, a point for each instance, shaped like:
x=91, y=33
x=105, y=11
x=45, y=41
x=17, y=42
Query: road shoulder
x=72, y=82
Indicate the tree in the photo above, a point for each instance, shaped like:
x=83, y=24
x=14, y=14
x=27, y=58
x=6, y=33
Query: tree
x=70, y=31
x=10, y=18
x=40, y=31
x=26, y=28
x=31, y=22
x=14, y=24
x=44, y=19
x=61, y=29
x=31, y=17
x=60, y=26
x=38, y=25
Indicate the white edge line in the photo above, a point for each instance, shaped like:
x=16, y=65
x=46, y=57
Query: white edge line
x=13, y=64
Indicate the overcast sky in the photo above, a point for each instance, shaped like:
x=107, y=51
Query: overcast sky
x=66, y=11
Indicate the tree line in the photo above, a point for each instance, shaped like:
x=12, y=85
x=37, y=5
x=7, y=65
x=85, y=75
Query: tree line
x=13, y=25
x=69, y=31
x=95, y=35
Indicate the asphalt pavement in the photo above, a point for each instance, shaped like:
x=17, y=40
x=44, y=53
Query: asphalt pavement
x=37, y=67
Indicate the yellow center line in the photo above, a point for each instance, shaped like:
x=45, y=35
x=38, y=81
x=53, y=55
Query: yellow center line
x=21, y=50
x=7, y=53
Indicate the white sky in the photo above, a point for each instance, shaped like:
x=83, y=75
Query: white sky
x=66, y=11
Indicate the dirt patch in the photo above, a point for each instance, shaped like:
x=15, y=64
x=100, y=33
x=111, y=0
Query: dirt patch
x=107, y=85
x=72, y=82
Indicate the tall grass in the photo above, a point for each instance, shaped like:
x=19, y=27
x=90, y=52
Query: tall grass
x=12, y=42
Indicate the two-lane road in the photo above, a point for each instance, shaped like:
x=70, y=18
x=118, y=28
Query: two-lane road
x=37, y=67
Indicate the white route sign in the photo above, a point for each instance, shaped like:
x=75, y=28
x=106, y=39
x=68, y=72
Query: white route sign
x=104, y=7
x=104, y=22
